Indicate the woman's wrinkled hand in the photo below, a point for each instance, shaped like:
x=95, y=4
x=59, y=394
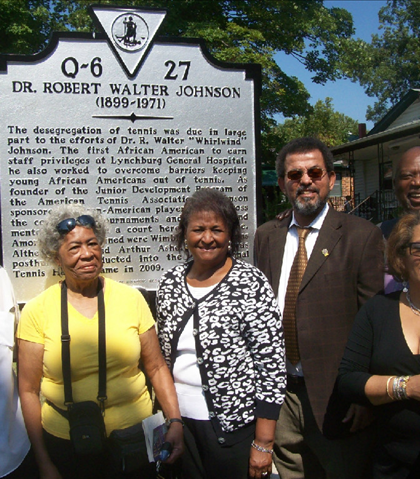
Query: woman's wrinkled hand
x=175, y=436
x=259, y=464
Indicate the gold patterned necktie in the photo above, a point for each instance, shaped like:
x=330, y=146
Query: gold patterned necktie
x=293, y=285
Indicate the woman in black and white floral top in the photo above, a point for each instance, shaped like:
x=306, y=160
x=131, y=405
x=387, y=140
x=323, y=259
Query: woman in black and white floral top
x=221, y=335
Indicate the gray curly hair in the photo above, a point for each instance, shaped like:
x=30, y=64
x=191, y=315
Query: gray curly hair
x=50, y=240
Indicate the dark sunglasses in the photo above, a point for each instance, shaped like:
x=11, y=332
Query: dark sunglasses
x=69, y=224
x=414, y=249
x=315, y=173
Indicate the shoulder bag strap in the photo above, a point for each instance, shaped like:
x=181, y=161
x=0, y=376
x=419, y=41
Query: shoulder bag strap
x=102, y=347
x=65, y=347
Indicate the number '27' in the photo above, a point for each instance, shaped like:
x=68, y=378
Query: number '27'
x=172, y=74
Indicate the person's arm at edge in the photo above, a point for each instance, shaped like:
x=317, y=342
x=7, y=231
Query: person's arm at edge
x=162, y=382
x=379, y=390
x=30, y=365
x=354, y=378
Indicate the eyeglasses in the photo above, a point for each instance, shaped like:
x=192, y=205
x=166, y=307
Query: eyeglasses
x=315, y=173
x=69, y=224
x=414, y=249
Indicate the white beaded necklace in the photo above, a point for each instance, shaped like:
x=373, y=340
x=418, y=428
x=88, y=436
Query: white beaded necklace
x=414, y=308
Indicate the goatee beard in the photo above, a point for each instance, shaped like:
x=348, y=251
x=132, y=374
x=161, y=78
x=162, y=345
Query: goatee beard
x=305, y=207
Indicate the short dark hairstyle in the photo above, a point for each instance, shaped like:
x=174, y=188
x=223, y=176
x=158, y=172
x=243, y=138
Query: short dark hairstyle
x=209, y=199
x=303, y=145
x=397, y=245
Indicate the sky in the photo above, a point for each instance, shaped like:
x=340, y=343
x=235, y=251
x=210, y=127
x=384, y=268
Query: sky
x=348, y=98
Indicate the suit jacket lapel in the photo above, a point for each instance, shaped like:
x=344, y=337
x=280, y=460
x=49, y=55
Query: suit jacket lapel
x=277, y=243
x=328, y=237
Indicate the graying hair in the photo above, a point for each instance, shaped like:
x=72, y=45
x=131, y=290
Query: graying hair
x=50, y=240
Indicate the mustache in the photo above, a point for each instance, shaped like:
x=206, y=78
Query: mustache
x=303, y=189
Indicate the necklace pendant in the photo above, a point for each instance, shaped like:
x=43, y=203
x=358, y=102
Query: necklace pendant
x=414, y=308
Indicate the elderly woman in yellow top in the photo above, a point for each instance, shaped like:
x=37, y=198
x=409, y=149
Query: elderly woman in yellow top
x=72, y=238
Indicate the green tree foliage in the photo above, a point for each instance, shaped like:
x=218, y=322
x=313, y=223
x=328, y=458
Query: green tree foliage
x=331, y=127
x=239, y=31
x=388, y=66
x=23, y=27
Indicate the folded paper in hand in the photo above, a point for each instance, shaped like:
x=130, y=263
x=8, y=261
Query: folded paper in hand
x=154, y=432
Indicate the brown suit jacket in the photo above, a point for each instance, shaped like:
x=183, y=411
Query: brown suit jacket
x=345, y=269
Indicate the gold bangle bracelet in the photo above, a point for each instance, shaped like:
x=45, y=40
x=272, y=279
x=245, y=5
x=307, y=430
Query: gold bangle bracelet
x=387, y=388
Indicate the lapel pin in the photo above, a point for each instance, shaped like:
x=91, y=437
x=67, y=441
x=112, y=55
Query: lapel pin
x=325, y=252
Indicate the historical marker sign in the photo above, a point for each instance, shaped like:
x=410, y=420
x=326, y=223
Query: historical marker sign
x=131, y=124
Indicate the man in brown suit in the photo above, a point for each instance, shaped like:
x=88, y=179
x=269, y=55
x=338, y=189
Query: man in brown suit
x=344, y=269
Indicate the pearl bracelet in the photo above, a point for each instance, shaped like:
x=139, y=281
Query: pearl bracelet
x=261, y=449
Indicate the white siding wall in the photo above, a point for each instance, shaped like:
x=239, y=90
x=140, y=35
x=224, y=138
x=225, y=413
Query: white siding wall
x=359, y=179
x=412, y=113
x=366, y=177
x=372, y=176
